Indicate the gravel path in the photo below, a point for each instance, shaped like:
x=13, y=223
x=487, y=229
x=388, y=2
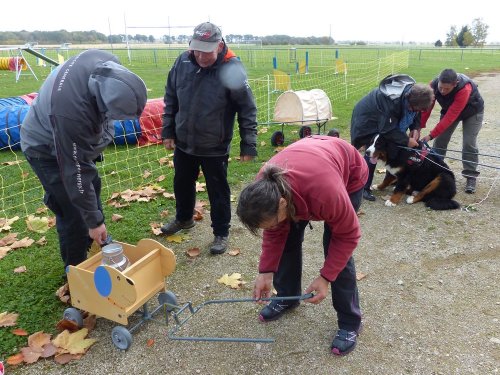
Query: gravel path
x=430, y=298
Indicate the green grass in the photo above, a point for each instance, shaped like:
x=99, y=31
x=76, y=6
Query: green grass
x=31, y=294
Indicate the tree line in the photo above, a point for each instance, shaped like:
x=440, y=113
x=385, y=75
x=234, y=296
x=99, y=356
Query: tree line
x=474, y=35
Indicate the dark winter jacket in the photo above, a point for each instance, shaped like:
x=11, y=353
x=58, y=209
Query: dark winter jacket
x=201, y=105
x=474, y=105
x=72, y=120
x=380, y=111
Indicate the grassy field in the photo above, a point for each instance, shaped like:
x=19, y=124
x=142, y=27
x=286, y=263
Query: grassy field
x=31, y=294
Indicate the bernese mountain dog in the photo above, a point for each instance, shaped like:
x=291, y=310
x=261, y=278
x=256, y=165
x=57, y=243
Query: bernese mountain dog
x=418, y=172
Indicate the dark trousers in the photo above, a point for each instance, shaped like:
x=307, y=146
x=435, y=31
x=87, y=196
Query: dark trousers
x=74, y=240
x=371, y=172
x=187, y=169
x=287, y=280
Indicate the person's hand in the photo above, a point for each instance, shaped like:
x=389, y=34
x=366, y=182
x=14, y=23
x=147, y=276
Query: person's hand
x=415, y=134
x=99, y=234
x=412, y=143
x=246, y=157
x=169, y=143
x=262, y=287
x=426, y=139
x=319, y=287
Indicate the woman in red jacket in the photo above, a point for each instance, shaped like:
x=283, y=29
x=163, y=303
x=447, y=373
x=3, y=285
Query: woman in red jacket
x=318, y=178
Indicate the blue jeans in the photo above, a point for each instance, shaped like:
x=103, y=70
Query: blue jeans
x=187, y=169
x=74, y=240
x=287, y=280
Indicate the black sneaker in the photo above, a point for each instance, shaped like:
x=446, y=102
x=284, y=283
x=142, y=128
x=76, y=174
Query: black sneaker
x=368, y=195
x=176, y=225
x=470, y=185
x=344, y=342
x=219, y=246
x=276, y=309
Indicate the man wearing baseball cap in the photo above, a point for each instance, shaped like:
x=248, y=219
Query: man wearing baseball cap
x=206, y=88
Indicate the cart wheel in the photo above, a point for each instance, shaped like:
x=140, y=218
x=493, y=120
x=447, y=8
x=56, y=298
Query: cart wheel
x=305, y=131
x=278, y=138
x=169, y=299
x=73, y=315
x=122, y=338
x=334, y=133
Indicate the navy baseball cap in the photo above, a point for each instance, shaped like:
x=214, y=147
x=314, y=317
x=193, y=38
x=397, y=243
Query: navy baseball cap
x=206, y=37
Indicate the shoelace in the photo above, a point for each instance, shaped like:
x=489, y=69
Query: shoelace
x=344, y=335
x=278, y=308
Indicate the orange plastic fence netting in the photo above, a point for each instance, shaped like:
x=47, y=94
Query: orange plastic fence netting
x=13, y=63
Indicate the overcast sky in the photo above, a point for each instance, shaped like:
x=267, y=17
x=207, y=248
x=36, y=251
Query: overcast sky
x=368, y=20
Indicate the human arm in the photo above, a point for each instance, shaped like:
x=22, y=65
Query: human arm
x=77, y=145
x=320, y=288
x=246, y=108
x=170, y=110
x=452, y=114
x=262, y=286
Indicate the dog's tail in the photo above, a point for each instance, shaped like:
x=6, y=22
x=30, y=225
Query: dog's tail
x=441, y=204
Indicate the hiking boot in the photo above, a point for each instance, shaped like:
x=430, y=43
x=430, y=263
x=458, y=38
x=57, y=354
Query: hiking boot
x=368, y=195
x=219, y=246
x=470, y=185
x=344, y=342
x=175, y=225
x=276, y=309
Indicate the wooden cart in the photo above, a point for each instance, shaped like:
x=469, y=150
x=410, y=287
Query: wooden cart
x=104, y=291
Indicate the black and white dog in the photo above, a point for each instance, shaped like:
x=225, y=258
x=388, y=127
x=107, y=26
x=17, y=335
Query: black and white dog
x=417, y=172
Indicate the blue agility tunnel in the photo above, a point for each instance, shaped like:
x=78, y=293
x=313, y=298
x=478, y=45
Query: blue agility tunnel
x=10, y=125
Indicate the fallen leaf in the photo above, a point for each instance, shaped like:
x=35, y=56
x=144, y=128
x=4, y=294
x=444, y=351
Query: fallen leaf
x=200, y=186
x=64, y=358
x=8, y=239
x=30, y=354
x=48, y=350
x=193, y=252
x=38, y=339
x=89, y=322
x=360, y=276
x=63, y=293
x=25, y=242
x=19, y=332
x=20, y=269
x=8, y=319
x=42, y=241
x=232, y=280
x=178, y=238
x=5, y=223
x=38, y=224
x=234, y=252
x=150, y=343
x=73, y=343
x=116, y=217
x=15, y=359
x=69, y=325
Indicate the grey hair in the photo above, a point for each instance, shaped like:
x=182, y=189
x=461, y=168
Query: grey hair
x=259, y=201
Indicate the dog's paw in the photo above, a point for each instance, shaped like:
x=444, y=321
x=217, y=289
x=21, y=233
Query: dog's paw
x=409, y=200
x=388, y=203
x=374, y=187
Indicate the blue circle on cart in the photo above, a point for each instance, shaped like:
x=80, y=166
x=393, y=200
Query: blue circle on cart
x=102, y=281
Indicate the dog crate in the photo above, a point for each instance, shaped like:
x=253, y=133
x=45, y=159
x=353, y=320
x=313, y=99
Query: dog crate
x=302, y=108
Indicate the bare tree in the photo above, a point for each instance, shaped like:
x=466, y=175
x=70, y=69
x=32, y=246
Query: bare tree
x=479, y=32
x=451, y=37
